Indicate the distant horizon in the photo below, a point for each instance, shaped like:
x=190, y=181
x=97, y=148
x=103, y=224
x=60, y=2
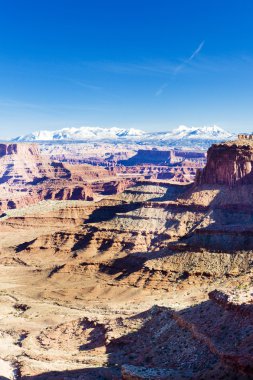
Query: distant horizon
x=146, y=65
x=185, y=135
x=155, y=130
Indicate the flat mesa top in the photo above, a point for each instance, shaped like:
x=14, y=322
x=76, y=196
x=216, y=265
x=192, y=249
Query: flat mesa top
x=238, y=142
x=245, y=139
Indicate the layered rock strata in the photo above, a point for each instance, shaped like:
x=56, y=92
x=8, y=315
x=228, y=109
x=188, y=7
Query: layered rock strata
x=27, y=177
x=228, y=164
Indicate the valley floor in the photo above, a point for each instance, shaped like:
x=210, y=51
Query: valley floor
x=51, y=329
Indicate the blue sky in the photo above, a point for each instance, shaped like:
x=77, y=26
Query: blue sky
x=149, y=64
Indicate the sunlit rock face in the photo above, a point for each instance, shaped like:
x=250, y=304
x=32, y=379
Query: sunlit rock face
x=27, y=177
x=23, y=163
x=228, y=164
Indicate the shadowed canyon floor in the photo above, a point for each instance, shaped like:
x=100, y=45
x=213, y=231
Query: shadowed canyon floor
x=152, y=283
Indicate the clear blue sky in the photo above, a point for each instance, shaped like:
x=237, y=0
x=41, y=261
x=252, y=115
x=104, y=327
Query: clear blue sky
x=150, y=64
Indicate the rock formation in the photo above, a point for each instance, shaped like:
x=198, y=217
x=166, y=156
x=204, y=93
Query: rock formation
x=23, y=163
x=27, y=177
x=228, y=164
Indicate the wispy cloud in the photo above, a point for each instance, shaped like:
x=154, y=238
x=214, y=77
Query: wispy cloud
x=17, y=104
x=178, y=68
x=196, y=52
x=161, y=89
x=148, y=68
x=191, y=58
x=145, y=68
x=84, y=85
x=45, y=108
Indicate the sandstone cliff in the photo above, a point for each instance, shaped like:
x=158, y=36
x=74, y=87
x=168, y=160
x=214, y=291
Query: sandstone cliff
x=27, y=177
x=23, y=163
x=228, y=164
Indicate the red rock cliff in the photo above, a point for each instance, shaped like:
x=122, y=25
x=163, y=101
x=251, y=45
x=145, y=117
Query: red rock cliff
x=227, y=164
x=27, y=177
x=12, y=148
x=23, y=163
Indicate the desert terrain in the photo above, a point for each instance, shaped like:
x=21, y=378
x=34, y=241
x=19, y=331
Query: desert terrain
x=138, y=267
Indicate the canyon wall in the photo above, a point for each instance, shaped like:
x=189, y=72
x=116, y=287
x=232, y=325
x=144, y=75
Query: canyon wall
x=228, y=164
x=23, y=163
x=27, y=177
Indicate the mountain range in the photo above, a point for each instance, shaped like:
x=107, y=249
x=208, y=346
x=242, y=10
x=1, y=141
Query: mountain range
x=183, y=134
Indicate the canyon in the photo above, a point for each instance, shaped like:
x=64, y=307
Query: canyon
x=30, y=173
x=126, y=264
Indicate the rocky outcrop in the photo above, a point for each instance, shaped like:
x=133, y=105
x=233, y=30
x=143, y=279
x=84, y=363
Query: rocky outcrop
x=22, y=150
x=111, y=187
x=22, y=164
x=17, y=198
x=228, y=164
x=228, y=302
x=27, y=177
x=228, y=175
x=225, y=328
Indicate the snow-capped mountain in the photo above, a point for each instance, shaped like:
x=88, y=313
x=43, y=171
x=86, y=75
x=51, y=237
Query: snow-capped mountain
x=181, y=135
x=199, y=133
x=82, y=133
